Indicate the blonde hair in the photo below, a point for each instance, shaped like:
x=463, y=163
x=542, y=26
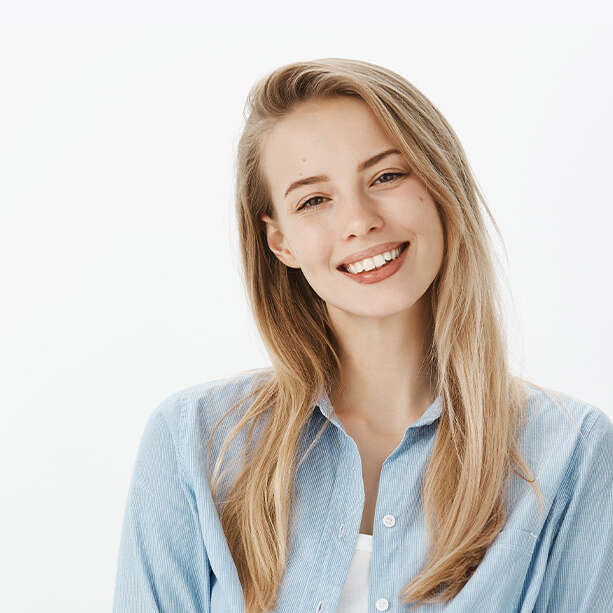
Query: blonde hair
x=483, y=405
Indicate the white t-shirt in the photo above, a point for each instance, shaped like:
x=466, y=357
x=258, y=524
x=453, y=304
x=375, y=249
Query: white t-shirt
x=354, y=598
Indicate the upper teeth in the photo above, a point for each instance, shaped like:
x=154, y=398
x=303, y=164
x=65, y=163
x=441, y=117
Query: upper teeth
x=374, y=262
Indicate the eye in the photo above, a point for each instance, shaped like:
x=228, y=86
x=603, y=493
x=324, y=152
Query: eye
x=306, y=205
x=306, y=202
x=387, y=174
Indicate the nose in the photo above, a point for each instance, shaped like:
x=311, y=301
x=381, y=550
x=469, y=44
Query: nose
x=359, y=215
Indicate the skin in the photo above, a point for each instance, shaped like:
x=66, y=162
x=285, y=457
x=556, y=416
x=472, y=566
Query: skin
x=381, y=325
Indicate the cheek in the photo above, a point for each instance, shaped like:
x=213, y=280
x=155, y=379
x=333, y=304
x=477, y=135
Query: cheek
x=436, y=223
x=311, y=244
x=424, y=215
x=434, y=232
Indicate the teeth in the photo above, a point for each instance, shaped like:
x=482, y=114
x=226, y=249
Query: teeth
x=375, y=262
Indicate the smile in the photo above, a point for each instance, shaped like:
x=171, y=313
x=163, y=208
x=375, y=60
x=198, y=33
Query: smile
x=384, y=271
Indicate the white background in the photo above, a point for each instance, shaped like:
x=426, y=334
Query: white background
x=118, y=245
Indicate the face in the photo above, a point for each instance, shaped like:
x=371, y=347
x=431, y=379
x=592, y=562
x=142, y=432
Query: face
x=354, y=207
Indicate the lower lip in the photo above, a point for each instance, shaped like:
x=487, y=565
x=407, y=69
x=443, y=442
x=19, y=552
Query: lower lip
x=374, y=276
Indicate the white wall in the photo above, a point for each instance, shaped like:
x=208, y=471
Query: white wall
x=118, y=247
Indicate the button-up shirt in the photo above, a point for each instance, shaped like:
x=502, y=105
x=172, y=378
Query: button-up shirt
x=174, y=558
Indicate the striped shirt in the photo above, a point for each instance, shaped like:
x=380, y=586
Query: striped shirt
x=173, y=555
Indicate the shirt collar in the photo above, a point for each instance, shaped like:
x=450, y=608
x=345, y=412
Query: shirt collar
x=429, y=416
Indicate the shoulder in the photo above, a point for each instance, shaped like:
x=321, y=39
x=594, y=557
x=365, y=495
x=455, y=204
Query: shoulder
x=192, y=413
x=561, y=435
x=562, y=415
x=209, y=400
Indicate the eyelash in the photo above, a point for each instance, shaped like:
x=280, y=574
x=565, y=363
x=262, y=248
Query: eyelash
x=397, y=175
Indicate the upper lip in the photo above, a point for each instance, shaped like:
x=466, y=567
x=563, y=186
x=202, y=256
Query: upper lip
x=366, y=253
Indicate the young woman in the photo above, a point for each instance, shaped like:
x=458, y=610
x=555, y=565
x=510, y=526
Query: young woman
x=392, y=461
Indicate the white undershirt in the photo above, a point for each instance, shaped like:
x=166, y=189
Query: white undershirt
x=354, y=598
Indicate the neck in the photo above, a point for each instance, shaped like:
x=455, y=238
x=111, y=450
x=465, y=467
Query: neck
x=382, y=382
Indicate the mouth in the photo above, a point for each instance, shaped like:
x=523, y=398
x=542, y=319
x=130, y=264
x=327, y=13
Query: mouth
x=403, y=247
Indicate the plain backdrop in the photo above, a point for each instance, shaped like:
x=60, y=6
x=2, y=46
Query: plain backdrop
x=118, y=246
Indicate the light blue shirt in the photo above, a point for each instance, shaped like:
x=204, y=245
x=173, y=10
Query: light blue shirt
x=173, y=556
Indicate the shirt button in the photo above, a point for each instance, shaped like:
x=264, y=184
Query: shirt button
x=320, y=605
x=341, y=529
x=389, y=520
x=382, y=604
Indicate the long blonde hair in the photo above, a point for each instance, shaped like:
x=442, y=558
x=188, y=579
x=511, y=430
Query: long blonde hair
x=483, y=404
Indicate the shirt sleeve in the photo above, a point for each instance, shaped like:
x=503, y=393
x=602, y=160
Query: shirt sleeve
x=577, y=577
x=163, y=564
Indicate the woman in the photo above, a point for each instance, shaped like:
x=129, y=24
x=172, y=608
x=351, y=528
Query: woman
x=391, y=460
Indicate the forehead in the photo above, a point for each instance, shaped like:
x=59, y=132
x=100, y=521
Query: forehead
x=319, y=136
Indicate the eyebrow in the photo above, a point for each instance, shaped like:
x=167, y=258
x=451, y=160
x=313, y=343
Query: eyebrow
x=361, y=167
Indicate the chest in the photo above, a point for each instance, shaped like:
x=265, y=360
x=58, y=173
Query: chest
x=373, y=450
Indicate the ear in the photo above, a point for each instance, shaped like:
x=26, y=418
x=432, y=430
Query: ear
x=277, y=242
